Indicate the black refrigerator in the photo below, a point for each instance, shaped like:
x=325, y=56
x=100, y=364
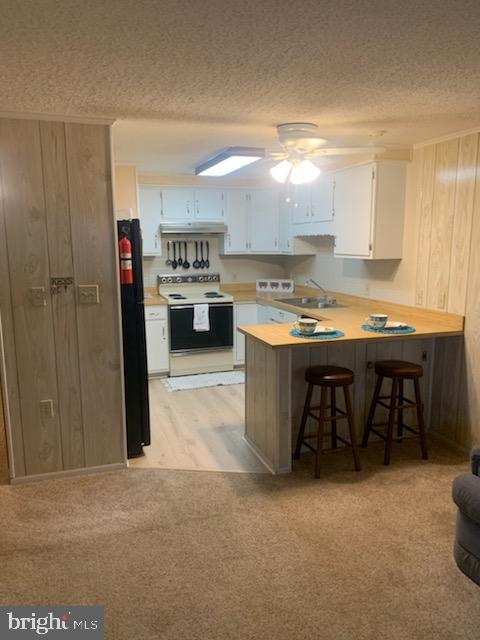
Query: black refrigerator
x=134, y=344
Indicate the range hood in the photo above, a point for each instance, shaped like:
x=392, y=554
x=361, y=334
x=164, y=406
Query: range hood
x=193, y=228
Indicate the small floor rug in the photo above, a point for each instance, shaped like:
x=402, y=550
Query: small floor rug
x=200, y=380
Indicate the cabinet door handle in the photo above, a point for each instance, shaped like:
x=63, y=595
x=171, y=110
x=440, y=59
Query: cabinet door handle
x=163, y=332
x=161, y=205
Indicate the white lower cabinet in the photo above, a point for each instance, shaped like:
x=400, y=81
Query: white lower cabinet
x=271, y=315
x=156, y=325
x=245, y=313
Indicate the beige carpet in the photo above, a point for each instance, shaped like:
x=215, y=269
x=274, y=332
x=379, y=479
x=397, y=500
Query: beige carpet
x=182, y=555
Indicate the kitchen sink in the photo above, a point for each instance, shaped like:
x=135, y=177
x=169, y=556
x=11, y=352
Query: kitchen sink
x=322, y=302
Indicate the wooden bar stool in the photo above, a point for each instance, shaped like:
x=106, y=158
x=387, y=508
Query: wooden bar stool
x=398, y=371
x=327, y=377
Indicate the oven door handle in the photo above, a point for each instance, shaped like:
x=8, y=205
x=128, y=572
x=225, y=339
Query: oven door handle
x=210, y=304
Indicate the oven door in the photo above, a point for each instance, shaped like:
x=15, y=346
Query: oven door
x=183, y=338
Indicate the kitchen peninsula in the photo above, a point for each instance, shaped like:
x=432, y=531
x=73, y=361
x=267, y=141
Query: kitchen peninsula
x=276, y=362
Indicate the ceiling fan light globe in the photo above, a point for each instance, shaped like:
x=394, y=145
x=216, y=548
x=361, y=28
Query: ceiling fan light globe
x=304, y=172
x=281, y=171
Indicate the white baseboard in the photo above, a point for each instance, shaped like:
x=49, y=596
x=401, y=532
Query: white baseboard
x=69, y=472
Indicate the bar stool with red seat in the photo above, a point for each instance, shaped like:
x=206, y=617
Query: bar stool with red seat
x=327, y=377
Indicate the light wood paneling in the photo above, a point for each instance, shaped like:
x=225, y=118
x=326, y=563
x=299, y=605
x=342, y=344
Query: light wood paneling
x=63, y=300
x=4, y=473
x=462, y=225
x=467, y=429
x=24, y=210
x=425, y=160
x=95, y=260
x=445, y=181
x=9, y=356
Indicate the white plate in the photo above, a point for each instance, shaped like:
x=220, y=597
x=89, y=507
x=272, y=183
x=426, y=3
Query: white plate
x=395, y=325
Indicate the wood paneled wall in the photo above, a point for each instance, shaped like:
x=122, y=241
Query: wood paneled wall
x=56, y=220
x=448, y=277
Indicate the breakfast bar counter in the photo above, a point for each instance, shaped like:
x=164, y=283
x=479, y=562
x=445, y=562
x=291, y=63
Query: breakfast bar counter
x=275, y=365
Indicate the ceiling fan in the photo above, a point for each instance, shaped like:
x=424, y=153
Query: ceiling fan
x=301, y=142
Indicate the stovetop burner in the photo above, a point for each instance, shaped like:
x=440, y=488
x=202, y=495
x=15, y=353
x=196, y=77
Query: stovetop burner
x=177, y=296
x=213, y=294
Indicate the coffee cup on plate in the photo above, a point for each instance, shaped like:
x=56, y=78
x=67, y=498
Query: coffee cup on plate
x=377, y=320
x=306, y=325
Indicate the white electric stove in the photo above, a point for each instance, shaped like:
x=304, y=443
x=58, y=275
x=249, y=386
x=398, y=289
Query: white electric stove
x=193, y=350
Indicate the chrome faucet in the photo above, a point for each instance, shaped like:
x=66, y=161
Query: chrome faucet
x=316, y=284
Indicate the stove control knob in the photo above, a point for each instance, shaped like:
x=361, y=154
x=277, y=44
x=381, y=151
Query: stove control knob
x=200, y=278
x=210, y=278
x=169, y=279
x=179, y=278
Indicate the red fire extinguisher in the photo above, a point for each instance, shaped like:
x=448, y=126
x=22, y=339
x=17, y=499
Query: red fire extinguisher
x=126, y=271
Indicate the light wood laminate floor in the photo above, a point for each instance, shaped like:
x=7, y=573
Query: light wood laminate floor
x=198, y=429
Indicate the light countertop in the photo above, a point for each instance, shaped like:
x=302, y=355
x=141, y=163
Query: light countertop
x=349, y=318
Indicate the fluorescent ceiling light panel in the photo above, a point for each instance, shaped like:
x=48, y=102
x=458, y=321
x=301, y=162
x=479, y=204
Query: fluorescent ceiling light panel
x=230, y=160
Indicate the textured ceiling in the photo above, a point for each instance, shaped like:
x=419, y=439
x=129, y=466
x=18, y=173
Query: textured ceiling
x=351, y=66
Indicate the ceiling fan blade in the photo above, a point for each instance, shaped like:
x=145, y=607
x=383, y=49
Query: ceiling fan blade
x=281, y=155
x=343, y=151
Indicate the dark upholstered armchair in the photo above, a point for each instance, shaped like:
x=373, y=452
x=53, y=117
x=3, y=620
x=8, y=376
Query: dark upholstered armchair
x=466, y=495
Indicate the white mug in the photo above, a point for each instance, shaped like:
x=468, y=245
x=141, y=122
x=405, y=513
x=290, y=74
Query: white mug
x=306, y=325
x=377, y=320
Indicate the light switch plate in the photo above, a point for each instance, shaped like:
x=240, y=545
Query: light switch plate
x=38, y=296
x=88, y=294
x=46, y=408
x=442, y=299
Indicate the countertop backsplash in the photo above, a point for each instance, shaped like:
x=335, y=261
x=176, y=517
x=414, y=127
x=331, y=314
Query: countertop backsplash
x=230, y=268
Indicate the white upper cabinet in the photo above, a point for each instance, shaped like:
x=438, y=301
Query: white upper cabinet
x=177, y=203
x=263, y=221
x=209, y=204
x=353, y=211
x=236, y=218
x=287, y=242
x=252, y=220
x=369, y=204
x=301, y=204
x=322, y=198
x=314, y=203
x=150, y=216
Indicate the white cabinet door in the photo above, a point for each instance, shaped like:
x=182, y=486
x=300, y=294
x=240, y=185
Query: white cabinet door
x=177, y=204
x=157, y=346
x=150, y=216
x=209, y=204
x=285, y=231
x=245, y=314
x=322, y=194
x=354, y=211
x=301, y=204
x=263, y=221
x=236, y=218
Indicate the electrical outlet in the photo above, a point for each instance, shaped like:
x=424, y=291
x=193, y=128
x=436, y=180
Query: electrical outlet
x=367, y=289
x=441, y=301
x=419, y=297
x=46, y=408
x=38, y=297
x=88, y=294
